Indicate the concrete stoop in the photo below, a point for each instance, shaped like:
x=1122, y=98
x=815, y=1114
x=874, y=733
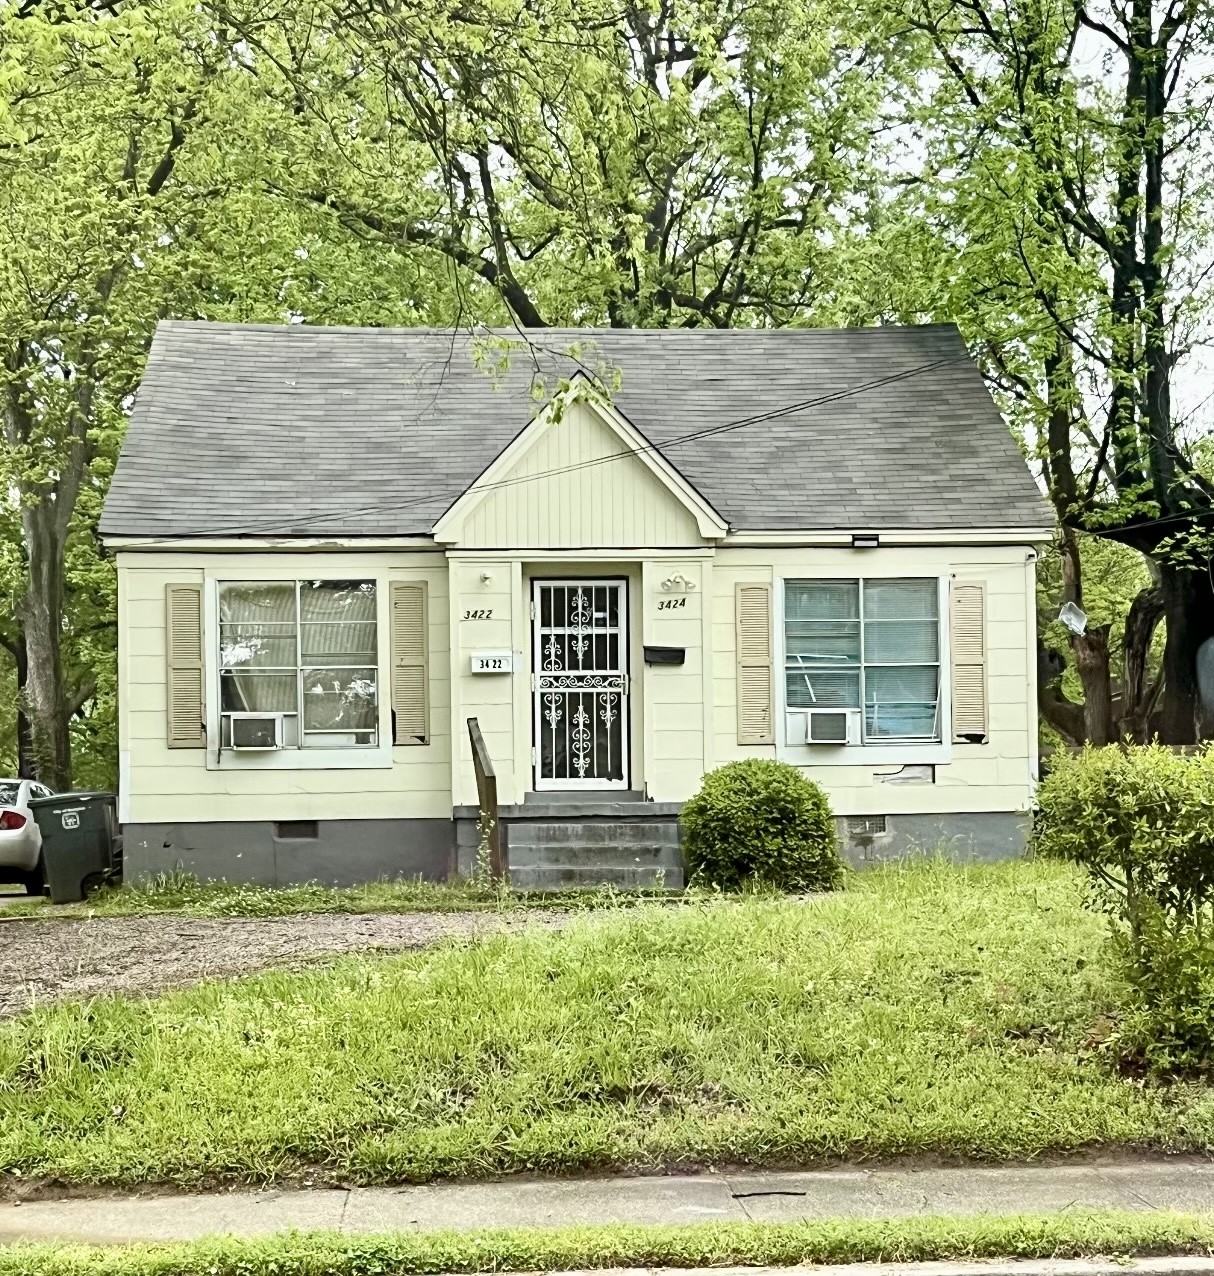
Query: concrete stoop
x=568, y=846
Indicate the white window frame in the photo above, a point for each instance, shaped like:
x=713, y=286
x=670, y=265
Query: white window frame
x=886, y=752
x=297, y=758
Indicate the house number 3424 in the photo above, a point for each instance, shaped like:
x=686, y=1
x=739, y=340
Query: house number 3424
x=484, y=613
x=671, y=604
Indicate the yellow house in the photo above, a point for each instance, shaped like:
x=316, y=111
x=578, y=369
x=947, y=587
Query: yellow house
x=629, y=556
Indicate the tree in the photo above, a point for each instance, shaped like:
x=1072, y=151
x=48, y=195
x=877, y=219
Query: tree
x=135, y=143
x=1063, y=216
x=687, y=162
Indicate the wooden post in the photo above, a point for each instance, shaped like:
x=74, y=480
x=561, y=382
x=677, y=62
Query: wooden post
x=486, y=793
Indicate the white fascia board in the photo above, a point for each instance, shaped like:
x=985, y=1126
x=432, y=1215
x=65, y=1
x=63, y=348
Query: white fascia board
x=262, y=544
x=1029, y=536
x=710, y=524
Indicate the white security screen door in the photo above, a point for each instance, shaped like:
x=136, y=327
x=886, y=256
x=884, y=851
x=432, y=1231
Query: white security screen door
x=580, y=649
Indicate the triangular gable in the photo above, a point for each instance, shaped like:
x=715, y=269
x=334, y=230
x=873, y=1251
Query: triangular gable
x=580, y=475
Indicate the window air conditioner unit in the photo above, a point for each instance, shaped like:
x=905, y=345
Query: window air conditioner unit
x=256, y=731
x=832, y=726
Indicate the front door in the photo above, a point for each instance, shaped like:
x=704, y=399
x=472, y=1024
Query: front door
x=580, y=650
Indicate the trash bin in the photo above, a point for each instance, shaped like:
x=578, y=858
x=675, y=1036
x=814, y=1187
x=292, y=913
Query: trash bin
x=80, y=843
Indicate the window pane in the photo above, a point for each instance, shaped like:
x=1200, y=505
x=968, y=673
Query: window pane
x=823, y=689
x=817, y=642
x=257, y=646
x=339, y=699
x=247, y=692
x=259, y=603
x=257, y=625
x=900, y=599
x=337, y=644
x=344, y=600
x=901, y=702
x=337, y=622
x=901, y=641
x=822, y=600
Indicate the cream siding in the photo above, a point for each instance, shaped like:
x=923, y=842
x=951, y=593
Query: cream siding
x=184, y=785
x=583, y=500
x=684, y=717
x=995, y=776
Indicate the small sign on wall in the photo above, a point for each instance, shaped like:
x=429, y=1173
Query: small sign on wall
x=493, y=662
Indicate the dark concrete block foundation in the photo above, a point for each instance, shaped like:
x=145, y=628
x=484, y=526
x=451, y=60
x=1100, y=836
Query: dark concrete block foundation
x=346, y=852
x=287, y=853
x=963, y=838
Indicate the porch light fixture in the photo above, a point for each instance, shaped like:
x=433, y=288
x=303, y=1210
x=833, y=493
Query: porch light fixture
x=865, y=540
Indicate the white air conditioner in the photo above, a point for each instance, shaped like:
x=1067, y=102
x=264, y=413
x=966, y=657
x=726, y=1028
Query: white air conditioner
x=252, y=732
x=822, y=726
x=832, y=726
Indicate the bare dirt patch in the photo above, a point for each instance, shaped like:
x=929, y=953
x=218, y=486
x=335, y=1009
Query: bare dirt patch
x=51, y=960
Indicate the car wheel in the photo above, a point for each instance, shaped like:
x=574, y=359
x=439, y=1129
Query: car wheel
x=35, y=879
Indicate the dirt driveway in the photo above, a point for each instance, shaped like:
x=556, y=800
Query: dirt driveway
x=52, y=960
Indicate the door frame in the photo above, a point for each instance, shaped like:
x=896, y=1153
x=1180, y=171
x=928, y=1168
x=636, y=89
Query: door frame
x=540, y=785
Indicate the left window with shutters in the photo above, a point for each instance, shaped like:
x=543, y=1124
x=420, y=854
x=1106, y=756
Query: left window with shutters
x=303, y=654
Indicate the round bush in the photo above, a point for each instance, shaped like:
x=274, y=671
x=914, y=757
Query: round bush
x=760, y=821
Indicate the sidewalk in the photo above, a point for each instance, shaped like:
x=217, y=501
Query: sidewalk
x=1186, y=1185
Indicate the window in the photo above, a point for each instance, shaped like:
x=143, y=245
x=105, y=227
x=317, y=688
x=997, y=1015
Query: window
x=304, y=650
x=871, y=645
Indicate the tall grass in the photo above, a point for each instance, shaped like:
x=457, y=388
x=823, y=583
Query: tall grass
x=931, y=1009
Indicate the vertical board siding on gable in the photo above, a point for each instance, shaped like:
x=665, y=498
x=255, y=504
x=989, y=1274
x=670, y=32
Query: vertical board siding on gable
x=588, y=501
x=987, y=777
x=171, y=785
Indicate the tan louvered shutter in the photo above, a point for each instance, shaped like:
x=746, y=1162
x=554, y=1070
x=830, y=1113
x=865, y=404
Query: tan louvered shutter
x=410, y=658
x=967, y=617
x=752, y=605
x=183, y=647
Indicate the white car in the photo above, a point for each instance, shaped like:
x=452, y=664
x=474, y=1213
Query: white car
x=20, y=838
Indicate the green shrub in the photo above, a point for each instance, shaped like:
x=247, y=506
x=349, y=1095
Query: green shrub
x=1167, y=1021
x=760, y=822
x=1140, y=819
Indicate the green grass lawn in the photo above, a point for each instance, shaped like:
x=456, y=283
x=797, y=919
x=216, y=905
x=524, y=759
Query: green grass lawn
x=931, y=1009
x=1073, y=1234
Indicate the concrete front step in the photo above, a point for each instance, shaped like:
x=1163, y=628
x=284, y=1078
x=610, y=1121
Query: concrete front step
x=579, y=855
x=565, y=877
x=592, y=833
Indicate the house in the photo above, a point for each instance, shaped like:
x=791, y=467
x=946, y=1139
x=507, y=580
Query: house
x=630, y=556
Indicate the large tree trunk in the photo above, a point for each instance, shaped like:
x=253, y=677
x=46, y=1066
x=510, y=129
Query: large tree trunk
x=1188, y=610
x=41, y=614
x=1091, y=650
x=1092, y=664
x=1139, y=693
x=26, y=768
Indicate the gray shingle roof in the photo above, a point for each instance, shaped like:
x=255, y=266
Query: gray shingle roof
x=255, y=430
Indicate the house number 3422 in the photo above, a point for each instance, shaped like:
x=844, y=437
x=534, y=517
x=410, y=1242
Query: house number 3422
x=671, y=604
x=484, y=613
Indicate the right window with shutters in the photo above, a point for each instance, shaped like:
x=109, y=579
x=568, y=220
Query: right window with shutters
x=872, y=645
